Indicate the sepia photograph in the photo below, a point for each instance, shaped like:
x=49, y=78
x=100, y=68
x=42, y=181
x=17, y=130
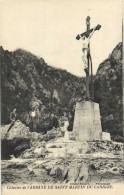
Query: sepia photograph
x=61, y=65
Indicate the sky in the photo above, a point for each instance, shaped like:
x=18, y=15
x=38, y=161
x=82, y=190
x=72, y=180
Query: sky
x=47, y=28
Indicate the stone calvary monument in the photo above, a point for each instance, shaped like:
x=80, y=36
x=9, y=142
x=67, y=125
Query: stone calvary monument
x=87, y=128
x=87, y=120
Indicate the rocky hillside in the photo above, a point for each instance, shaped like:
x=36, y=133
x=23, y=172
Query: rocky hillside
x=28, y=83
x=108, y=92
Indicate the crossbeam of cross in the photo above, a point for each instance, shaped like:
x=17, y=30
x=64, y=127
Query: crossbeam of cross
x=88, y=32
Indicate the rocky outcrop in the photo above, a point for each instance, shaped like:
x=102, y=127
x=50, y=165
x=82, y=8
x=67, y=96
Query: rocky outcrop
x=49, y=158
x=18, y=130
x=19, y=141
x=29, y=84
x=99, y=162
x=108, y=93
x=15, y=141
x=13, y=147
x=63, y=171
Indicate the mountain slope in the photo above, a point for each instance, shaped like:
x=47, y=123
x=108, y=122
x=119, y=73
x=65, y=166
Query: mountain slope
x=28, y=83
x=108, y=92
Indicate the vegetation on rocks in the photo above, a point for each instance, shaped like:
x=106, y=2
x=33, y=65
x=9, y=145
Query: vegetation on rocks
x=29, y=84
x=109, y=92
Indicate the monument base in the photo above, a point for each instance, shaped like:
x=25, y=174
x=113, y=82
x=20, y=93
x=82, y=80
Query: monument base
x=87, y=121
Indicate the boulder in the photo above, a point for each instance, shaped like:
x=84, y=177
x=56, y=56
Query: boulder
x=54, y=133
x=83, y=174
x=13, y=147
x=59, y=172
x=36, y=136
x=40, y=152
x=15, y=141
x=19, y=130
x=73, y=173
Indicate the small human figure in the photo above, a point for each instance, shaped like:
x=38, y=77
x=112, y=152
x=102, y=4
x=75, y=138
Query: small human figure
x=66, y=136
x=32, y=121
x=65, y=127
x=33, y=114
x=62, y=122
x=53, y=121
x=13, y=117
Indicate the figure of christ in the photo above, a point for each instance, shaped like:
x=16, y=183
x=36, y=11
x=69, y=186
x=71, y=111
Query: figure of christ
x=86, y=57
x=86, y=51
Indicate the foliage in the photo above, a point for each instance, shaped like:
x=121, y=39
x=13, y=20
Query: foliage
x=26, y=80
x=108, y=93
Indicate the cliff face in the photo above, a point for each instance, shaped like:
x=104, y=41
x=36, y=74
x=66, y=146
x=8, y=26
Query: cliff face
x=28, y=83
x=108, y=93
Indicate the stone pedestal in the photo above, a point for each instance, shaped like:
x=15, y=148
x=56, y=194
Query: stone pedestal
x=87, y=121
x=106, y=136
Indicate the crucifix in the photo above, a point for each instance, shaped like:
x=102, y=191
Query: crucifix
x=86, y=57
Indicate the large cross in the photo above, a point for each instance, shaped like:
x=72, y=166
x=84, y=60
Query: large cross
x=86, y=51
